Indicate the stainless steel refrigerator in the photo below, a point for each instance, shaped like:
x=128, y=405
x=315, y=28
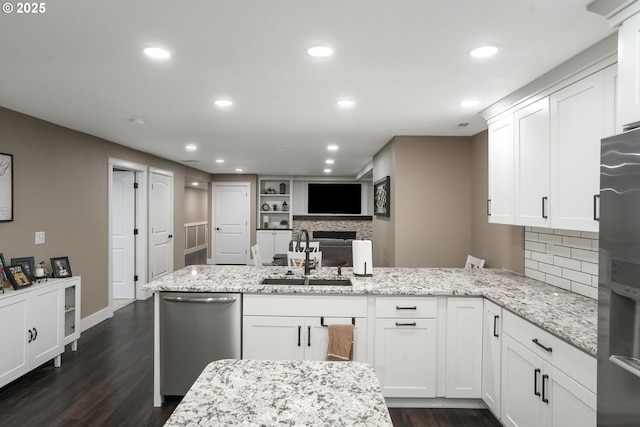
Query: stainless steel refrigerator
x=619, y=282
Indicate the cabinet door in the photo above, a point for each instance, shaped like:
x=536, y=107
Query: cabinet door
x=577, y=126
x=265, y=240
x=317, y=337
x=491, y=356
x=14, y=337
x=570, y=404
x=275, y=338
x=46, y=322
x=532, y=164
x=522, y=405
x=281, y=241
x=72, y=312
x=463, y=370
x=500, y=209
x=405, y=357
x=629, y=71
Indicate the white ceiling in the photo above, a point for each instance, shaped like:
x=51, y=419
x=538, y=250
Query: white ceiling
x=80, y=64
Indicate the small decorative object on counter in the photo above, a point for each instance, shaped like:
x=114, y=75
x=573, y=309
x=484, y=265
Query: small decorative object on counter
x=61, y=267
x=265, y=206
x=265, y=225
x=285, y=206
x=283, y=188
x=40, y=272
x=284, y=223
x=17, y=276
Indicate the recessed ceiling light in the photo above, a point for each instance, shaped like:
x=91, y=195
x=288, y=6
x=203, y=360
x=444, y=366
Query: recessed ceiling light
x=484, y=51
x=469, y=103
x=195, y=184
x=332, y=147
x=136, y=121
x=219, y=160
x=223, y=103
x=327, y=171
x=238, y=170
x=320, y=51
x=191, y=147
x=346, y=103
x=157, y=53
x=329, y=161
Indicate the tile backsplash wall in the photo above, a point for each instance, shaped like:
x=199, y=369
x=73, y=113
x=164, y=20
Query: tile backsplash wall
x=562, y=258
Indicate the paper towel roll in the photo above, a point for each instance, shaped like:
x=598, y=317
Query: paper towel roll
x=362, y=257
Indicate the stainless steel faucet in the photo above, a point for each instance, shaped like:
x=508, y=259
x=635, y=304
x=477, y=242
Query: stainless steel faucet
x=307, y=266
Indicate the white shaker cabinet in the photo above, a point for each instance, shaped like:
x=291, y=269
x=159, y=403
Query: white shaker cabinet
x=531, y=124
x=463, y=369
x=577, y=126
x=500, y=204
x=294, y=327
x=272, y=242
x=46, y=328
x=492, y=356
x=405, y=346
x=629, y=72
x=14, y=312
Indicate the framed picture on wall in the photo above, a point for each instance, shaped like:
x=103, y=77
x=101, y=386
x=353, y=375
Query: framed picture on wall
x=381, y=197
x=17, y=276
x=6, y=187
x=4, y=281
x=61, y=267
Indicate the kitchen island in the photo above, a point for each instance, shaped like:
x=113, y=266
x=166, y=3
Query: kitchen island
x=257, y=392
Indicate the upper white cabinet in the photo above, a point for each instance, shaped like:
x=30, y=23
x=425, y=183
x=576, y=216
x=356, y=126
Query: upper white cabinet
x=500, y=206
x=629, y=71
x=577, y=126
x=554, y=144
x=531, y=125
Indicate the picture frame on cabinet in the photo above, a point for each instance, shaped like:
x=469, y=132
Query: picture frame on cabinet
x=61, y=267
x=17, y=276
x=6, y=187
x=4, y=281
x=28, y=265
x=381, y=197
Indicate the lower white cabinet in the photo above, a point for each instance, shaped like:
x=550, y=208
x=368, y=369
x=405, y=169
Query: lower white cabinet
x=405, y=346
x=35, y=319
x=272, y=242
x=463, y=369
x=536, y=387
x=492, y=356
x=294, y=327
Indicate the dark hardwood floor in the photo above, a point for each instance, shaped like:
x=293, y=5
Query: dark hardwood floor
x=109, y=382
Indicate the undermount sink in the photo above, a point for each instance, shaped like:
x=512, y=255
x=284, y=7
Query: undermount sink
x=307, y=281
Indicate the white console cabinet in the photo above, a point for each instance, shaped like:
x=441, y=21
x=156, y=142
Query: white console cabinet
x=34, y=322
x=272, y=242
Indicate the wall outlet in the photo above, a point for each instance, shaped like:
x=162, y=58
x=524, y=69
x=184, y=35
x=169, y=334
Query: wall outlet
x=39, y=237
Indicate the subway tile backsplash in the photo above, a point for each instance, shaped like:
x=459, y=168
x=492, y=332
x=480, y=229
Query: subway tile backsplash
x=562, y=258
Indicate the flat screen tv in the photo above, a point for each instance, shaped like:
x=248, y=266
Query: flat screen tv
x=334, y=198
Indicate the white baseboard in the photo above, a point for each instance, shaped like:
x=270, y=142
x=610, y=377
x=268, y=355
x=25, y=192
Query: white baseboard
x=95, y=318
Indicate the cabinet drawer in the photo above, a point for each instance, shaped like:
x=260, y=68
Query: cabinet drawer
x=304, y=305
x=574, y=362
x=406, y=307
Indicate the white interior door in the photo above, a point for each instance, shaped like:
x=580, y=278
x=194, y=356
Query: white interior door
x=123, y=240
x=231, y=223
x=160, y=224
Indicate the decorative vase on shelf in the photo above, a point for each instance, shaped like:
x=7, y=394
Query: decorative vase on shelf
x=285, y=206
x=283, y=188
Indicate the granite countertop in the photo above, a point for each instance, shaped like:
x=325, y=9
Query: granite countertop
x=570, y=316
x=258, y=392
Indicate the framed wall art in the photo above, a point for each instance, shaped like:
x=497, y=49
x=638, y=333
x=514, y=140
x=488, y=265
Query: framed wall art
x=61, y=267
x=381, y=197
x=17, y=276
x=4, y=281
x=6, y=187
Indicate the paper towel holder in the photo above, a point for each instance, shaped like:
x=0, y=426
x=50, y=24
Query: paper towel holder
x=365, y=273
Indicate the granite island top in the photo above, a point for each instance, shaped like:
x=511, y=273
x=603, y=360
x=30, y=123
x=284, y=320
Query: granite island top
x=570, y=316
x=292, y=393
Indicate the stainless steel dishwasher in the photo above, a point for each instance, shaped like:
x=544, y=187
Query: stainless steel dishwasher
x=195, y=329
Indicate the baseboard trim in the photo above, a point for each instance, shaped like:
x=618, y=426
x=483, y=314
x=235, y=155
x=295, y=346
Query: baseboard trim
x=438, y=402
x=95, y=318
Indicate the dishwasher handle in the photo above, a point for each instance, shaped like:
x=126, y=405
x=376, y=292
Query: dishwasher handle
x=206, y=300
